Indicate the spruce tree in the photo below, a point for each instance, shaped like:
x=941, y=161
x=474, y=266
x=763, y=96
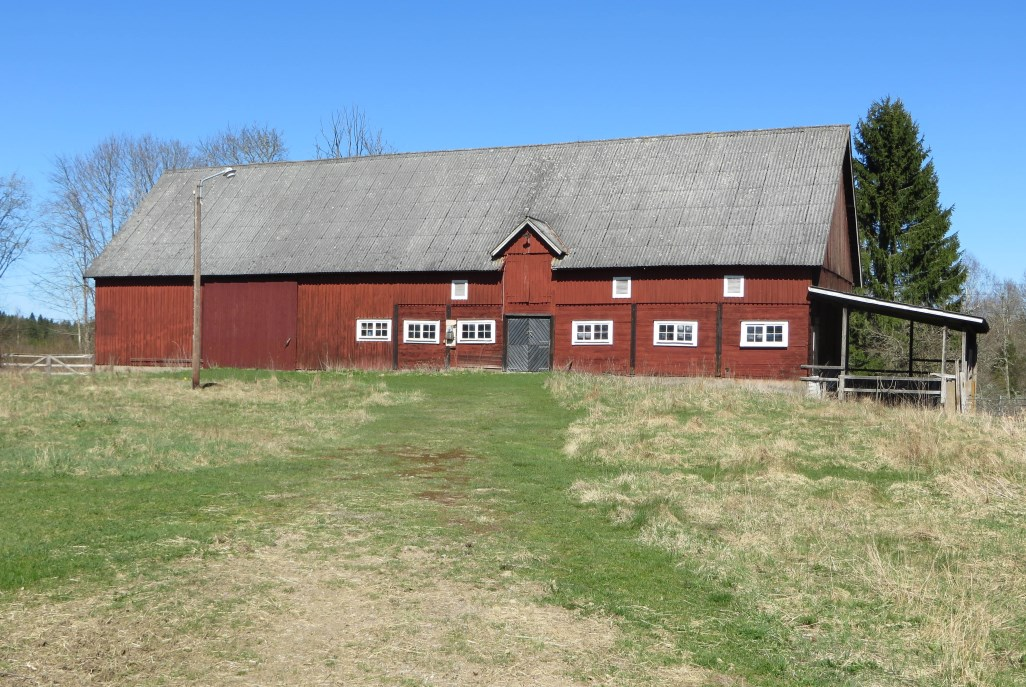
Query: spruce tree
x=909, y=252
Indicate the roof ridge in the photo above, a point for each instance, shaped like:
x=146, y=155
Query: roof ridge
x=587, y=142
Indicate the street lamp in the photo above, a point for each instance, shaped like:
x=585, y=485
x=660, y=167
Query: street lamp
x=197, y=305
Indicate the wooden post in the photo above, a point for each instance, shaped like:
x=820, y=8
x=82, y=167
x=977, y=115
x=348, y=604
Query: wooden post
x=395, y=336
x=197, y=298
x=943, y=366
x=963, y=378
x=844, y=353
x=634, y=335
x=911, y=340
x=445, y=333
x=719, y=339
x=844, y=339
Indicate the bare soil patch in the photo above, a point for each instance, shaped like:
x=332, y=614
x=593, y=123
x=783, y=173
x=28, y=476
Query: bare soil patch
x=292, y=614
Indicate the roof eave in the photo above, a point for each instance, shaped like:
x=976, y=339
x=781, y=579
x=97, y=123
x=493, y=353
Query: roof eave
x=917, y=313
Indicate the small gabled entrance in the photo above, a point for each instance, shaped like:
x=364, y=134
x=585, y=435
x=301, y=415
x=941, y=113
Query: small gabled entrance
x=528, y=343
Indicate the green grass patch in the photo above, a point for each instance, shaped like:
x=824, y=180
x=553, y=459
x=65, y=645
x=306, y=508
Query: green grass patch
x=756, y=535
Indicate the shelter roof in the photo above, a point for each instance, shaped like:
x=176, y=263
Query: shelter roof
x=738, y=198
x=942, y=318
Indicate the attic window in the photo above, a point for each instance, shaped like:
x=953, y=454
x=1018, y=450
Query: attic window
x=621, y=287
x=733, y=286
x=459, y=289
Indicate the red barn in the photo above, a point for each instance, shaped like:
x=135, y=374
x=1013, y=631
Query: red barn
x=678, y=255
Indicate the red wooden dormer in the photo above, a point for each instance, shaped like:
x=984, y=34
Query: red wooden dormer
x=527, y=254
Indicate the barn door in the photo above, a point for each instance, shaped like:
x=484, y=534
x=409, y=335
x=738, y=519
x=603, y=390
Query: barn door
x=528, y=344
x=250, y=324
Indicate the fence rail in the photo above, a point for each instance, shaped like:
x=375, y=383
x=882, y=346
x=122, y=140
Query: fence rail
x=1001, y=405
x=79, y=364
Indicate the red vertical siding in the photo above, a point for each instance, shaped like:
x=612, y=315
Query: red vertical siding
x=153, y=319
x=422, y=355
x=143, y=322
x=527, y=275
x=698, y=360
x=765, y=363
x=474, y=354
x=329, y=307
x=613, y=357
x=250, y=324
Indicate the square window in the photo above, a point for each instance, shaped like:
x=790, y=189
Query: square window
x=592, y=333
x=374, y=330
x=475, y=331
x=621, y=287
x=733, y=286
x=764, y=334
x=421, y=331
x=675, y=333
x=460, y=289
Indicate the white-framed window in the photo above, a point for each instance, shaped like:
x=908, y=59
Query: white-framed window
x=764, y=334
x=374, y=330
x=621, y=287
x=460, y=289
x=592, y=332
x=475, y=331
x=675, y=333
x=420, y=331
x=733, y=286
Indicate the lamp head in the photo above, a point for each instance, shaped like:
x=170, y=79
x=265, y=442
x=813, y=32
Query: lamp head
x=228, y=173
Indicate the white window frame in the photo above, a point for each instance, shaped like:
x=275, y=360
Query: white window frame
x=374, y=326
x=460, y=289
x=762, y=325
x=419, y=339
x=475, y=340
x=622, y=280
x=576, y=334
x=731, y=293
x=656, y=341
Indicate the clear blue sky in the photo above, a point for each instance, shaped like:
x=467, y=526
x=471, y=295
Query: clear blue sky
x=437, y=75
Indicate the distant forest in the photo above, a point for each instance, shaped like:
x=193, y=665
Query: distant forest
x=37, y=334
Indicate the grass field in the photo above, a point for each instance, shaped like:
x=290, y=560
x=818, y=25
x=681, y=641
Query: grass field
x=474, y=528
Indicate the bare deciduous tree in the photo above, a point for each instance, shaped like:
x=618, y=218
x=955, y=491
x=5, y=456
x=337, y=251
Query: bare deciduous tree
x=1002, y=350
x=15, y=204
x=250, y=144
x=93, y=194
x=347, y=134
x=148, y=158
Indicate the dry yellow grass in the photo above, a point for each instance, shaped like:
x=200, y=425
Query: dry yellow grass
x=884, y=536
x=288, y=614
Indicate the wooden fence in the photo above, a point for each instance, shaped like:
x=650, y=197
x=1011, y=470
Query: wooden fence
x=50, y=364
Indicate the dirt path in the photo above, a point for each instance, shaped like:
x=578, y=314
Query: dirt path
x=288, y=614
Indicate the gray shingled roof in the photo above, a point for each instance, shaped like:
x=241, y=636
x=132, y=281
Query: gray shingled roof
x=738, y=198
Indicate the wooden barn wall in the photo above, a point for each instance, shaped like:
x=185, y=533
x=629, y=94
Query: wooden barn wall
x=474, y=354
x=692, y=294
x=838, y=271
x=765, y=363
x=250, y=324
x=612, y=358
x=682, y=285
x=153, y=320
x=527, y=275
x=143, y=321
x=330, y=305
x=689, y=361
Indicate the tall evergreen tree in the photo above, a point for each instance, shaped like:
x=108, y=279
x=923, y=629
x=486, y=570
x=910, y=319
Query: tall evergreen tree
x=910, y=253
